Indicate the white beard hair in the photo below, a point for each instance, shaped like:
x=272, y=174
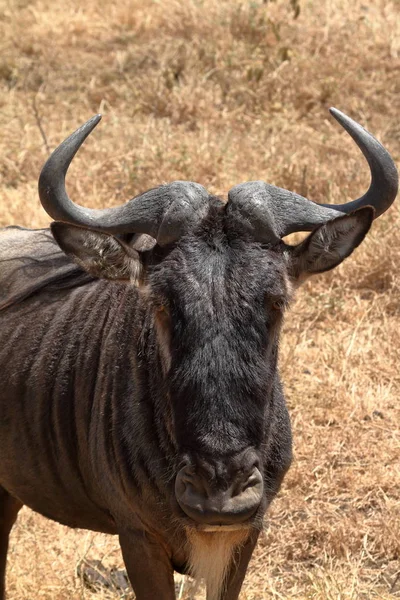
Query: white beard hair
x=210, y=556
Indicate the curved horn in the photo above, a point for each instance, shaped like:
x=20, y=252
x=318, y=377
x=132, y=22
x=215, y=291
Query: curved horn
x=165, y=212
x=272, y=212
x=384, y=177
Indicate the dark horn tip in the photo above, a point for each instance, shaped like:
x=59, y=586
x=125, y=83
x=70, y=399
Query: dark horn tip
x=91, y=123
x=84, y=130
x=96, y=118
x=343, y=119
x=335, y=111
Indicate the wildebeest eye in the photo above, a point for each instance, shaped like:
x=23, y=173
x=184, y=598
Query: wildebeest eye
x=277, y=304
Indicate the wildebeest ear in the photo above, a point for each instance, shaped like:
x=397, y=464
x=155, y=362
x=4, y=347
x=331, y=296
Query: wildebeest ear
x=100, y=254
x=331, y=243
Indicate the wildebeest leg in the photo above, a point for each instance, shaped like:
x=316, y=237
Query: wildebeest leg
x=9, y=508
x=149, y=568
x=238, y=568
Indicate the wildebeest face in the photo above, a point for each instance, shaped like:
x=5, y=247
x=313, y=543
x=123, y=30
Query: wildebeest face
x=217, y=297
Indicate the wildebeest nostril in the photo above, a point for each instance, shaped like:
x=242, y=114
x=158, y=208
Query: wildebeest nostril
x=189, y=490
x=252, y=481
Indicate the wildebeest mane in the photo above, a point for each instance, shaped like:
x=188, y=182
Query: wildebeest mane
x=32, y=261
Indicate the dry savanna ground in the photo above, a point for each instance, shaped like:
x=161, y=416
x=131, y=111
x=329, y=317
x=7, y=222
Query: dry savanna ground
x=220, y=92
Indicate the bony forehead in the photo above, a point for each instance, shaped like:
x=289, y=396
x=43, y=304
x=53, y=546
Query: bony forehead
x=246, y=268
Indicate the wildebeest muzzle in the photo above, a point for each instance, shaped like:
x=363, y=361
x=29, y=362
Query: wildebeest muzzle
x=224, y=492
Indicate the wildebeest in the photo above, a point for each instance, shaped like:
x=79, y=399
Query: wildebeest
x=140, y=394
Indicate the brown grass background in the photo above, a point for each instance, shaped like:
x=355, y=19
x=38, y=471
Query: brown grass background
x=220, y=92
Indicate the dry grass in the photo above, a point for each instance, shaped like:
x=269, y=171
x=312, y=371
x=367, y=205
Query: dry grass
x=221, y=92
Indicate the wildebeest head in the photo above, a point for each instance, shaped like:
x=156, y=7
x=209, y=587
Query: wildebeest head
x=217, y=280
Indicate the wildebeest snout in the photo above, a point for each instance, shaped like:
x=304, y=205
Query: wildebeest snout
x=211, y=500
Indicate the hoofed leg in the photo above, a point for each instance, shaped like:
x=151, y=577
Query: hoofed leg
x=238, y=568
x=9, y=508
x=149, y=568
